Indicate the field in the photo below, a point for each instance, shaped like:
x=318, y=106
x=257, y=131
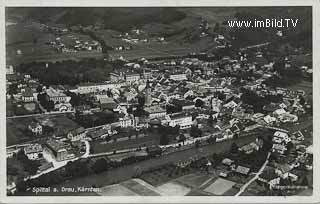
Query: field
x=17, y=128
x=219, y=187
x=31, y=43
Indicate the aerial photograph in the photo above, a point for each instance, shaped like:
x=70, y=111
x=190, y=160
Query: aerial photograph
x=159, y=101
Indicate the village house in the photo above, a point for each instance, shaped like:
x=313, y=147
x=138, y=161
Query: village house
x=27, y=95
x=131, y=77
x=76, y=134
x=33, y=151
x=178, y=76
x=58, y=150
x=181, y=119
x=127, y=121
x=183, y=104
x=155, y=111
x=35, y=128
x=57, y=95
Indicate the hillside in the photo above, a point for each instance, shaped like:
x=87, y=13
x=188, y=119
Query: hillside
x=180, y=25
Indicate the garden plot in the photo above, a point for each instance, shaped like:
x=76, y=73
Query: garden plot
x=220, y=186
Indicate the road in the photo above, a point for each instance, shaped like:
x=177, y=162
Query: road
x=245, y=186
x=39, y=114
x=126, y=172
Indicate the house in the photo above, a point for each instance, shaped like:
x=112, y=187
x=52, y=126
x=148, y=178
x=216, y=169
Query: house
x=127, y=121
x=281, y=136
x=181, y=119
x=58, y=150
x=76, y=134
x=61, y=107
x=147, y=74
x=178, y=76
x=227, y=161
x=279, y=148
x=279, y=112
x=155, y=111
x=35, y=128
x=57, y=96
x=242, y=170
x=101, y=133
x=33, y=151
x=45, y=166
x=108, y=103
x=27, y=95
x=231, y=104
x=132, y=77
x=269, y=120
x=183, y=104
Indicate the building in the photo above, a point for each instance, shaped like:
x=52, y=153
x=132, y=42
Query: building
x=35, y=128
x=57, y=96
x=27, y=95
x=86, y=88
x=58, y=150
x=178, y=76
x=108, y=103
x=9, y=69
x=147, y=74
x=76, y=134
x=242, y=170
x=180, y=119
x=183, y=104
x=155, y=112
x=115, y=76
x=127, y=121
x=148, y=97
x=132, y=77
x=33, y=151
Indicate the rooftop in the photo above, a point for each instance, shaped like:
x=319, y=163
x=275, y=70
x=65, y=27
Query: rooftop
x=155, y=109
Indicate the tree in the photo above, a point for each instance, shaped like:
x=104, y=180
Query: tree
x=199, y=103
x=195, y=132
x=182, y=138
x=302, y=101
x=75, y=99
x=100, y=165
x=39, y=88
x=197, y=143
x=305, y=181
x=216, y=27
x=234, y=149
x=210, y=121
x=21, y=186
x=164, y=139
x=13, y=89
x=141, y=101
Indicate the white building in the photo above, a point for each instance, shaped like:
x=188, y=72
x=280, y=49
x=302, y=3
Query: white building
x=178, y=76
x=33, y=151
x=184, y=121
x=127, y=121
x=57, y=95
x=35, y=128
x=97, y=87
x=155, y=112
x=132, y=77
x=76, y=134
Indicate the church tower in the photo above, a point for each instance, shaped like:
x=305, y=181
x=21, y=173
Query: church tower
x=148, y=98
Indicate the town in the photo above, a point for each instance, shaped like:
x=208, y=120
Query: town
x=194, y=124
